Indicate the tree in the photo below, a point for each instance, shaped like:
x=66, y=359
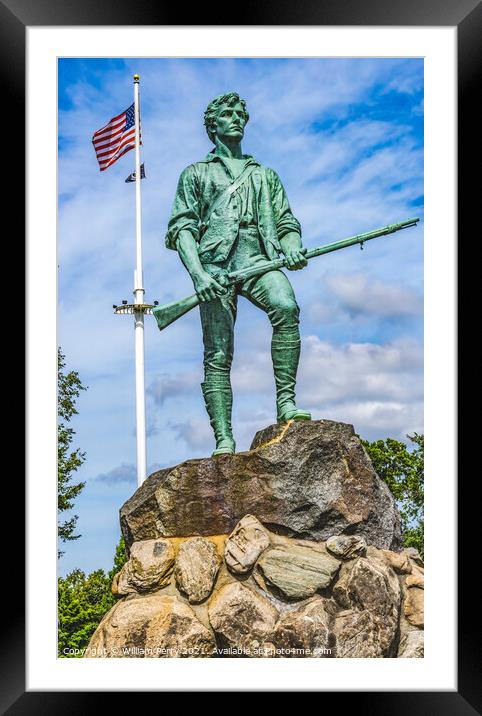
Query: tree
x=402, y=470
x=69, y=388
x=82, y=602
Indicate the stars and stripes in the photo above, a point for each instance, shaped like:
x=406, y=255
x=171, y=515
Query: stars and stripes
x=115, y=139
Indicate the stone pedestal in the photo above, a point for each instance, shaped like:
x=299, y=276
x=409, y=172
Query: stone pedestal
x=307, y=479
x=291, y=549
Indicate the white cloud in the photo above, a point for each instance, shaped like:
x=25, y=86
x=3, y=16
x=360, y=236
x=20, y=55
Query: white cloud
x=379, y=388
x=121, y=473
x=363, y=371
x=363, y=383
x=167, y=386
x=359, y=294
x=126, y=472
x=373, y=420
x=197, y=434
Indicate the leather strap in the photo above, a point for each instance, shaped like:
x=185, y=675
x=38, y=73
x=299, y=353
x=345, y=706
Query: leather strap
x=226, y=193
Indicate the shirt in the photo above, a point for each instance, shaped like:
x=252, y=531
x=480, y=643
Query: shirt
x=261, y=200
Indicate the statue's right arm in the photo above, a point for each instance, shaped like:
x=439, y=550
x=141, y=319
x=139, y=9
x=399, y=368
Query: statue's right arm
x=183, y=234
x=206, y=287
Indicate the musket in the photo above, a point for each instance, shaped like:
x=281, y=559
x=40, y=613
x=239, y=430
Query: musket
x=167, y=314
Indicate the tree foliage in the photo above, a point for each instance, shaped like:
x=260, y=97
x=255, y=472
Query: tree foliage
x=69, y=387
x=82, y=602
x=402, y=470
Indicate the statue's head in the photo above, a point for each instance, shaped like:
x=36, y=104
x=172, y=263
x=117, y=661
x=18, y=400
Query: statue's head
x=226, y=113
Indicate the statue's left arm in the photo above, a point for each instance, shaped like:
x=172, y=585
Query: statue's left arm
x=287, y=225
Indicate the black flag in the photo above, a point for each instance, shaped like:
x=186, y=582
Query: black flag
x=132, y=177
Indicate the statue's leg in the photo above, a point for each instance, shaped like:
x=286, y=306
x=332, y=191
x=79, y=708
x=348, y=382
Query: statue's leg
x=217, y=319
x=273, y=293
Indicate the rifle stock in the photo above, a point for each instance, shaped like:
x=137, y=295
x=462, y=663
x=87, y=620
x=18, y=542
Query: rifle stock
x=167, y=314
x=170, y=312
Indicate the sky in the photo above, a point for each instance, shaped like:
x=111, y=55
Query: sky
x=346, y=138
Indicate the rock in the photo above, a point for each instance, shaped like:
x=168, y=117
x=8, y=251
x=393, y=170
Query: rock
x=412, y=612
x=347, y=546
x=362, y=635
x=414, y=555
x=371, y=589
x=115, y=584
x=398, y=561
x=411, y=645
x=413, y=607
x=197, y=565
x=305, y=479
x=415, y=580
x=244, y=545
x=152, y=626
x=149, y=567
x=242, y=620
x=120, y=583
x=295, y=572
x=369, y=585
x=304, y=631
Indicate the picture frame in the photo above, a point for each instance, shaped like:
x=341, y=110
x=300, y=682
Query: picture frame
x=16, y=17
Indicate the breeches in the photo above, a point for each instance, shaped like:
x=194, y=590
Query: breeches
x=272, y=292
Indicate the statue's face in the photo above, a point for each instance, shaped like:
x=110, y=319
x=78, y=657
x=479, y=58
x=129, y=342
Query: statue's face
x=230, y=122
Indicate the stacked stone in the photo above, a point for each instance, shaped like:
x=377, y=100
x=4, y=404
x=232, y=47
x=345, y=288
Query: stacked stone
x=254, y=593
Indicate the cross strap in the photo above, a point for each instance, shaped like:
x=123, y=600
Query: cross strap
x=226, y=193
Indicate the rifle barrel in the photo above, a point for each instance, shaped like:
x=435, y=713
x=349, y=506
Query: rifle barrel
x=361, y=238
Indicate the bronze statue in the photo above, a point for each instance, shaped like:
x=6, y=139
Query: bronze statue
x=230, y=212
x=232, y=225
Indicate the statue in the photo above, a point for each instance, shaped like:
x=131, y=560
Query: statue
x=230, y=213
x=234, y=230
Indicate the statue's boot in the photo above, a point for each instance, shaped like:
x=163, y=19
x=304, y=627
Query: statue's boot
x=285, y=352
x=218, y=398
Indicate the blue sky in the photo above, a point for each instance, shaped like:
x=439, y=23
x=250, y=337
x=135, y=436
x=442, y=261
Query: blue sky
x=346, y=138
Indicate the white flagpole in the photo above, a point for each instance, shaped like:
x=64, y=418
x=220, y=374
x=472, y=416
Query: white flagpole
x=139, y=315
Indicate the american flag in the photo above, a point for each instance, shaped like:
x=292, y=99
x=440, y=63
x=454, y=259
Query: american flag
x=115, y=139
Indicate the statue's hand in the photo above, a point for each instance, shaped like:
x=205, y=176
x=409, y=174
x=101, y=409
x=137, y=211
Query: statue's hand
x=295, y=259
x=207, y=288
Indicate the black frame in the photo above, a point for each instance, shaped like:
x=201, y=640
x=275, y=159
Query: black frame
x=15, y=16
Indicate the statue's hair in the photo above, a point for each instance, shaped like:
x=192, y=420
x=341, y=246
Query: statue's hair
x=213, y=107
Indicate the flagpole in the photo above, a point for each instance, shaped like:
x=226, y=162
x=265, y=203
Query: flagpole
x=139, y=314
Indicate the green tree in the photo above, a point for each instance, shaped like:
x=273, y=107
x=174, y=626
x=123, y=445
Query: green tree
x=69, y=387
x=402, y=470
x=82, y=602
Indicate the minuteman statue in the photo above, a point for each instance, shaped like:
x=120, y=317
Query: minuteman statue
x=231, y=212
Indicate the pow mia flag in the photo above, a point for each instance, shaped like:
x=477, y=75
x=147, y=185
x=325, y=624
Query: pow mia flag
x=132, y=177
